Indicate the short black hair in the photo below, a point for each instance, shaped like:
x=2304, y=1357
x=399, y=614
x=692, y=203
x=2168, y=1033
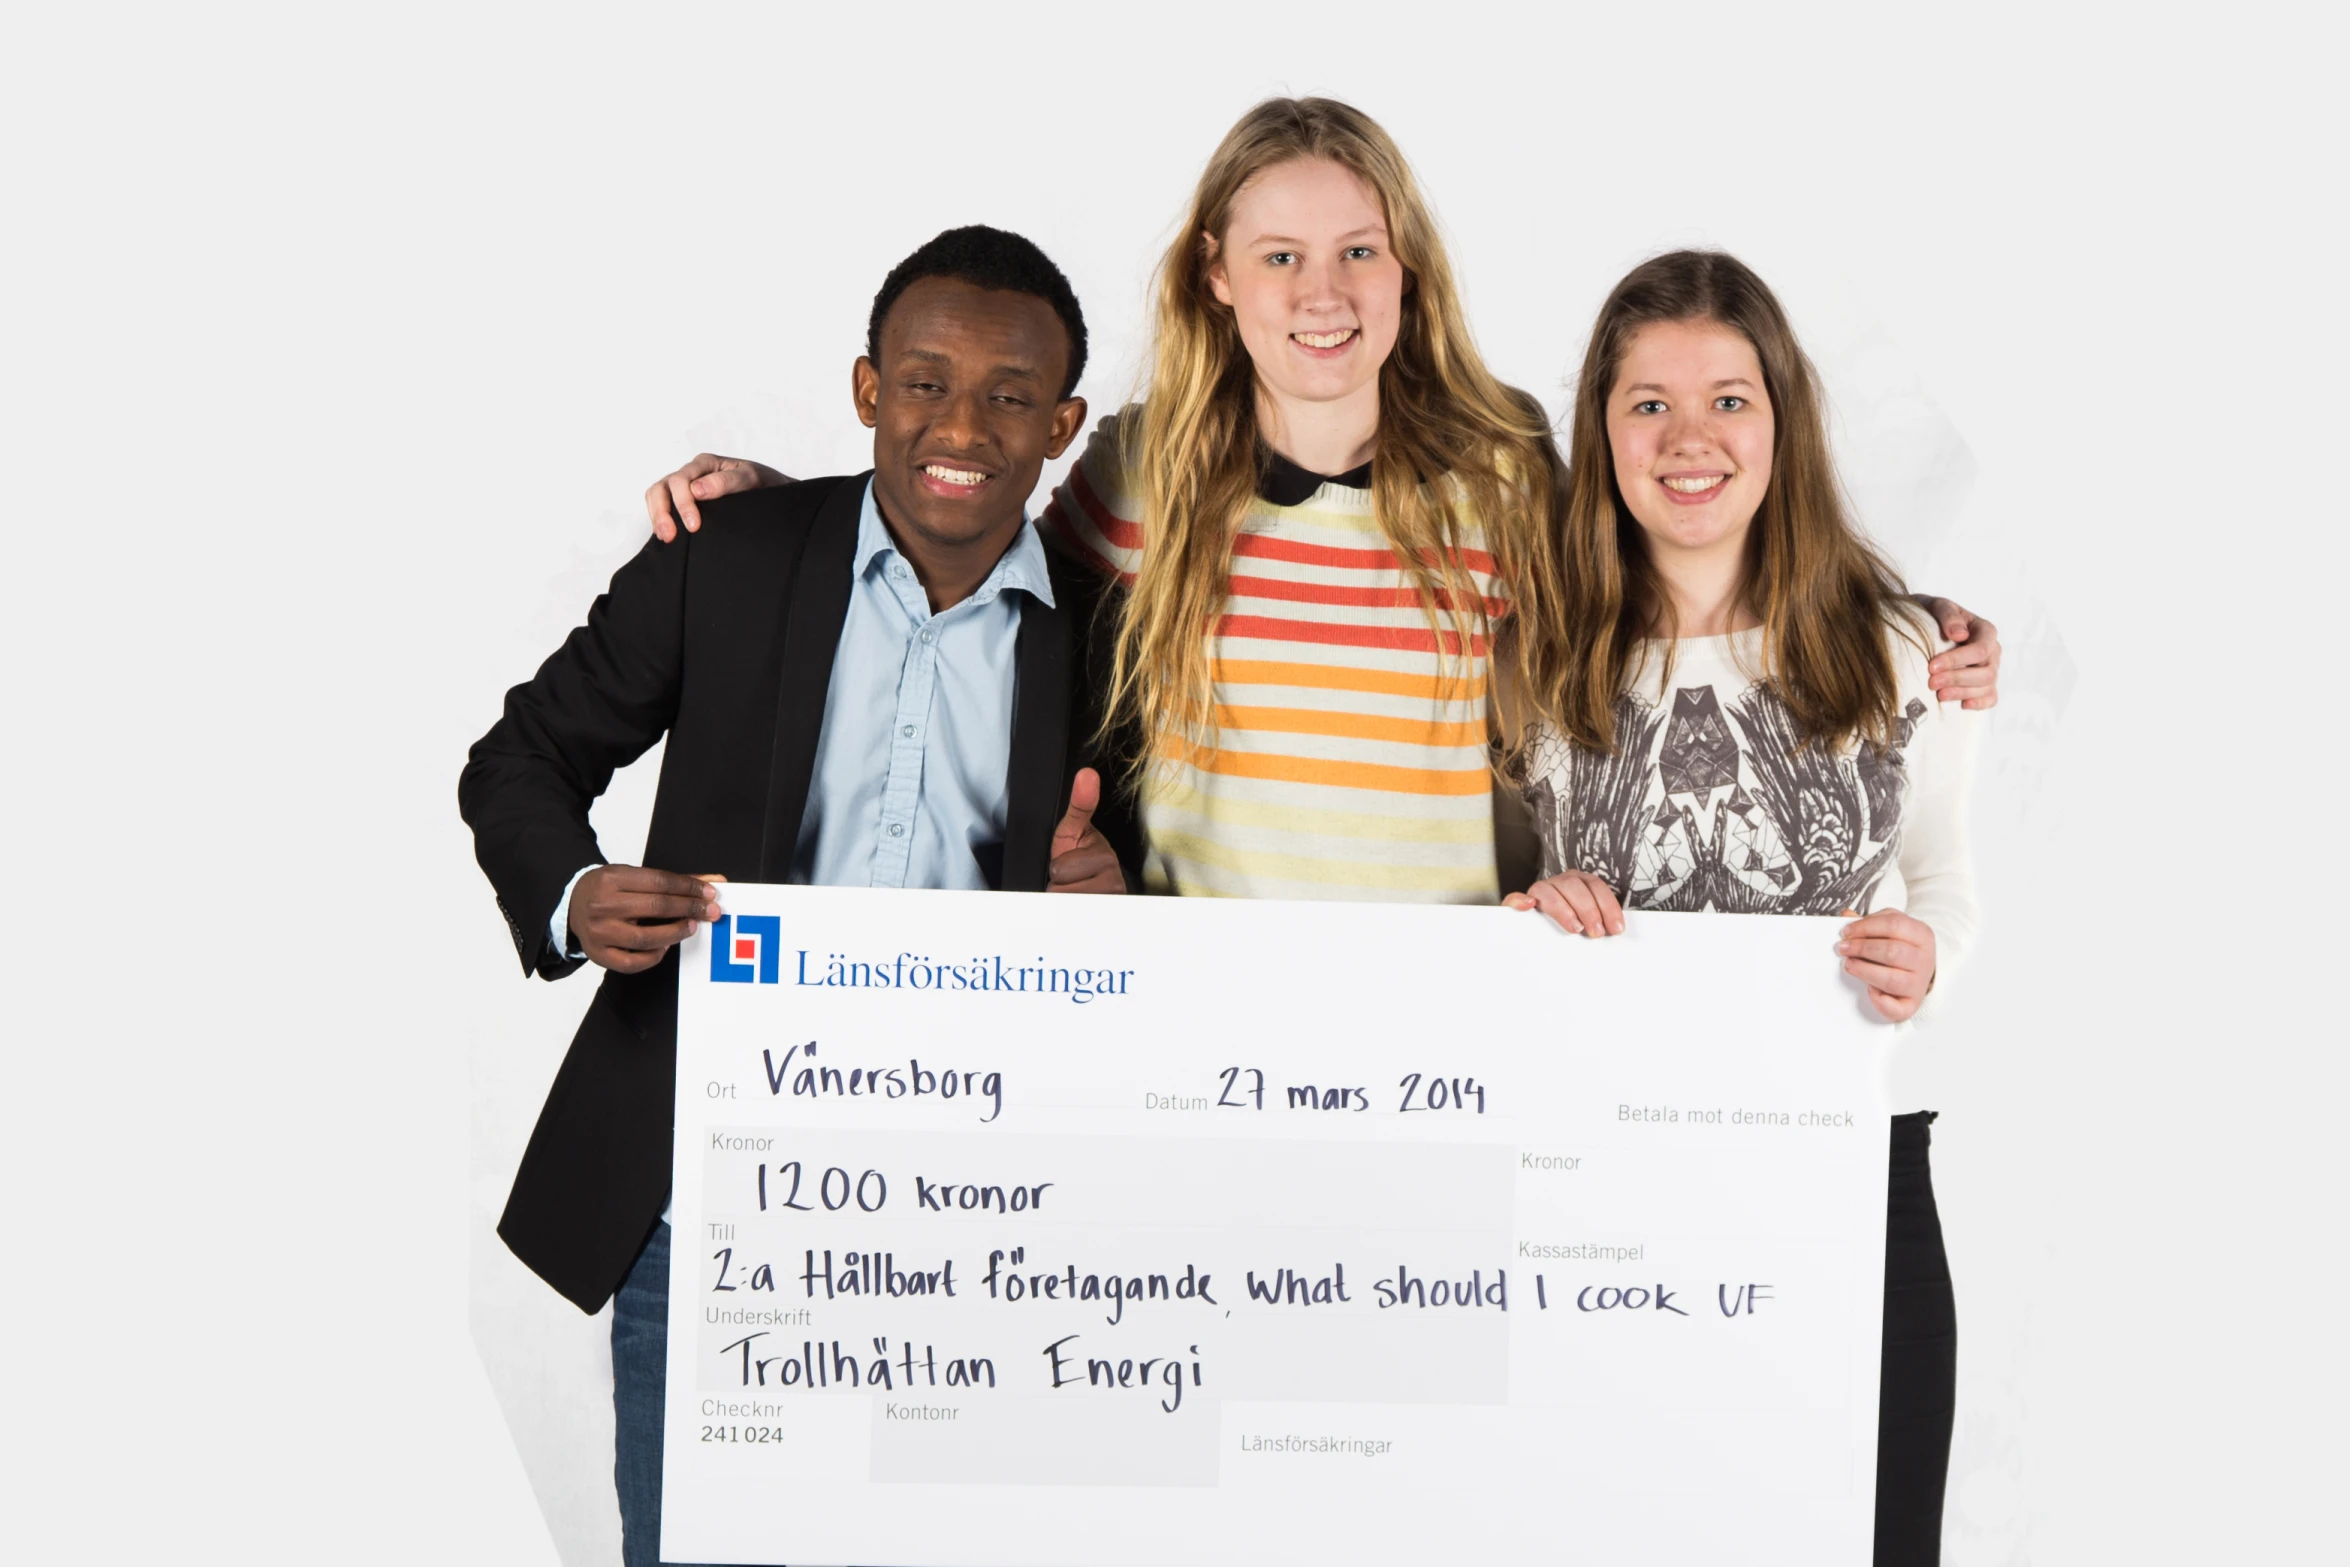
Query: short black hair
x=986, y=258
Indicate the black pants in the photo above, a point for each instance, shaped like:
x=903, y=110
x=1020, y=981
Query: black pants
x=1919, y=1379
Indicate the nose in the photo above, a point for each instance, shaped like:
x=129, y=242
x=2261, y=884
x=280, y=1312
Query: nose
x=1690, y=430
x=961, y=421
x=1316, y=285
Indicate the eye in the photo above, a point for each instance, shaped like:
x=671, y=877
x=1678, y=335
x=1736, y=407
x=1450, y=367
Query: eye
x=1359, y=252
x=1651, y=406
x=1007, y=397
x=922, y=386
x=1729, y=405
x=1281, y=258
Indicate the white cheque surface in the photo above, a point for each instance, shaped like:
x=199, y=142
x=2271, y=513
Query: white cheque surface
x=1065, y=1230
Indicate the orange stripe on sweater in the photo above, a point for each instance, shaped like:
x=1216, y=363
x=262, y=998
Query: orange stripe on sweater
x=1327, y=593
x=1055, y=522
x=1121, y=533
x=1409, y=639
x=1127, y=535
x=1267, y=547
x=1339, y=775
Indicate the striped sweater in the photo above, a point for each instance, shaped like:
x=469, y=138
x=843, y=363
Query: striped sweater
x=1349, y=758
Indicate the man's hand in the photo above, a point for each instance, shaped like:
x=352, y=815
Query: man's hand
x=1580, y=903
x=1893, y=955
x=1083, y=860
x=624, y=916
x=704, y=479
x=1969, y=673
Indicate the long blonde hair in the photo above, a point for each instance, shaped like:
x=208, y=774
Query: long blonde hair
x=1824, y=595
x=1454, y=445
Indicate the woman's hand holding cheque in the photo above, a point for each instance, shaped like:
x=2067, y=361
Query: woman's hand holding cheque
x=1890, y=953
x=1580, y=902
x=1893, y=955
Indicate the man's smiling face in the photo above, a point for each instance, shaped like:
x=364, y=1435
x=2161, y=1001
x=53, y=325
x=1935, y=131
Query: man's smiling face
x=965, y=407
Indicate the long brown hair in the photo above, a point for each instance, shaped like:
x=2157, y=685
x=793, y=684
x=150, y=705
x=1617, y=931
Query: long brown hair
x=1823, y=593
x=1453, y=442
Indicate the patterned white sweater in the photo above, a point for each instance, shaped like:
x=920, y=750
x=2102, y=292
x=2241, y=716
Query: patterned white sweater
x=1710, y=804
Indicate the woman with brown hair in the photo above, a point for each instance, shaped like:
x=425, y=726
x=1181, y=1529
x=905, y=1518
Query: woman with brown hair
x=1738, y=717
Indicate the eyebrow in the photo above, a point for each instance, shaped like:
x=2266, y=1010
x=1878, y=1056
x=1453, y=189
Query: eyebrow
x=931, y=356
x=1651, y=386
x=1379, y=229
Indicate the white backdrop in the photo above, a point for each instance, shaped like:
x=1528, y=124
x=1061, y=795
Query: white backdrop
x=338, y=347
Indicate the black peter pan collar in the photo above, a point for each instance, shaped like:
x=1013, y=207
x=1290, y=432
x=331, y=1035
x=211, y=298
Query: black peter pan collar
x=1283, y=483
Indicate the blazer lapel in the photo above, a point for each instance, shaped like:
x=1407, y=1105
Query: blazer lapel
x=1040, y=742
x=819, y=607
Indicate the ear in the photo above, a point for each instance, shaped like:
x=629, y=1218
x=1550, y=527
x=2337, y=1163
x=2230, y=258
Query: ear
x=865, y=388
x=1068, y=419
x=1218, y=283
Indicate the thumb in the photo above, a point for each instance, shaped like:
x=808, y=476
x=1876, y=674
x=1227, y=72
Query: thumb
x=1085, y=793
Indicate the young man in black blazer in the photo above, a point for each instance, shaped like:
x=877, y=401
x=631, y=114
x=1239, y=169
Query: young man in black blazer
x=878, y=680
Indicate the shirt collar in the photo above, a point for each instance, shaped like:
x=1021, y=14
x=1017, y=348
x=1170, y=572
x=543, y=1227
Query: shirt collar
x=1021, y=566
x=1283, y=483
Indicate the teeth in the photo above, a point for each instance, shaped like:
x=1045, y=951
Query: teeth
x=1323, y=339
x=953, y=475
x=1695, y=486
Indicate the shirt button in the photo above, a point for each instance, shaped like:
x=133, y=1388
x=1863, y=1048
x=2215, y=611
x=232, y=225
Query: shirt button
x=926, y=633
x=908, y=731
x=897, y=829
x=897, y=569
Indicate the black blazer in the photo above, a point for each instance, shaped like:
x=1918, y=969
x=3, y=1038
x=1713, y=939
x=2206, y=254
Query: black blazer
x=723, y=641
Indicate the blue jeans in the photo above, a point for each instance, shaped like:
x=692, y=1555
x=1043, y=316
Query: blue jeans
x=640, y=1356
x=640, y=1387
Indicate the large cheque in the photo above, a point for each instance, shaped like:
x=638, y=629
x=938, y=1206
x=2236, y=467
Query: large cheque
x=1037, y=1230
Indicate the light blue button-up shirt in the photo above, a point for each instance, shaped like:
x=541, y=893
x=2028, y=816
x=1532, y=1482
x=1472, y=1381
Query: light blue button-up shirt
x=909, y=787
x=910, y=783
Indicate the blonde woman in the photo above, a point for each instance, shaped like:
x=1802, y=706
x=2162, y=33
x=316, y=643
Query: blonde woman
x=1322, y=506
x=1328, y=513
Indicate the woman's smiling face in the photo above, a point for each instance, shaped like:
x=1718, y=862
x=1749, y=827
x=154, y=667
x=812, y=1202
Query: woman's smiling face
x=1306, y=266
x=1689, y=427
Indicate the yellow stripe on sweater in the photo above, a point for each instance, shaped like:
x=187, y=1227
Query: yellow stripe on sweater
x=1346, y=677
x=1178, y=797
x=1357, y=726
x=1189, y=848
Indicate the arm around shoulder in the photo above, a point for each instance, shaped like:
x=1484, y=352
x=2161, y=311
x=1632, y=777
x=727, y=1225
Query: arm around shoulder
x=1937, y=856
x=1093, y=516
